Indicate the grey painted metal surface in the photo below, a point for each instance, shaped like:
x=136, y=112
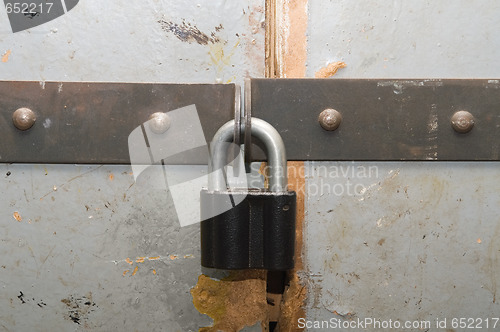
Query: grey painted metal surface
x=58, y=256
x=87, y=248
x=405, y=39
x=402, y=241
x=140, y=41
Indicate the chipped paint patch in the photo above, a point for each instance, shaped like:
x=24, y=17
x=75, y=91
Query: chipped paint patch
x=5, y=56
x=234, y=302
x=79, y=308
x=140, y=259
x=186, y=32
x=47, y=123
x=17, y=216
x=330, y=70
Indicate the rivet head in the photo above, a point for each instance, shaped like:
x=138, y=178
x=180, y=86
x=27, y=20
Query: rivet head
x=330, y=119
x=462, y=122
x=159, y=122
x=23, y=118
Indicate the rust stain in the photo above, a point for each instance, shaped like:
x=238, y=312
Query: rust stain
x=17, y=216
x=125, y=272
x=292, y=305
x=129, y=261
x=6, y=55
x=140, y=259
x=154, y=258
x=271, y=38
x=173, y=257
x=291, y=39
x=263, y=171
x=111, y=177
x=479, y=241
x=233, y=302
x=330, y=70
x=135, y=271
x=154, y=271
x=220, y=56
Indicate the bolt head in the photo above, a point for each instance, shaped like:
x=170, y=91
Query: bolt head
x=462, y=122
x=159, y=122
x=23, y=118
x=330, y=119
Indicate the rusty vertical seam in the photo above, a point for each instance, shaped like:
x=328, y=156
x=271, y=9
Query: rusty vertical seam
x=292, y=305
x=280, y=36
x=271, y=45
x=291, y=38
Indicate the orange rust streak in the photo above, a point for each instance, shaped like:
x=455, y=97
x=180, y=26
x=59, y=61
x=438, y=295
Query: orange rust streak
x=111, y=177
x=5, y=57
x=173, y=257
x=125, y=272
x=140, y=259
x=17, y=216
x=154, y=271
x=135, y=270
x=129, y=261
x=154, y=258
x=293, y=39
x=330, y=70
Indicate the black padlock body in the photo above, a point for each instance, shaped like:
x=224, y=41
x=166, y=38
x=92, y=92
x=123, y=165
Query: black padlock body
x=258, y=233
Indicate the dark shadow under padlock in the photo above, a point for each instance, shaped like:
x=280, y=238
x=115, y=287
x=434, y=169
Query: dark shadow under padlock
x=257, y=230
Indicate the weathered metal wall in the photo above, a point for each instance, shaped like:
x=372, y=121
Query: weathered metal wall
x=84, y=247
x=140, y=41
x=405, y=39
x=416, y=241
x=403, y=241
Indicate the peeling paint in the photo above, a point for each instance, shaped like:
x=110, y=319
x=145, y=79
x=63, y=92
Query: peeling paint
x=5, y=56
x=17, y=216
x=330, y=70
x=189, y=33
x=234, y=302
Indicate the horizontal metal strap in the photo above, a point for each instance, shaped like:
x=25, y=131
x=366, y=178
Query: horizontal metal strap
x=91, y=122
x=382, y=119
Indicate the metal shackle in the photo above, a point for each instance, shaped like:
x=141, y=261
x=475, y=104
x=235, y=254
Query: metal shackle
x=275, y=151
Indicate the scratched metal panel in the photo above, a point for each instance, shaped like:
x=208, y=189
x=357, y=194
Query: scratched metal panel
x=87, y=248
x=140, y=41
x=412, y=39
x=402, y=241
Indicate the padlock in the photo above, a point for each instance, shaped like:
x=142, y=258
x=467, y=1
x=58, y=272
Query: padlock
x=258, y=230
